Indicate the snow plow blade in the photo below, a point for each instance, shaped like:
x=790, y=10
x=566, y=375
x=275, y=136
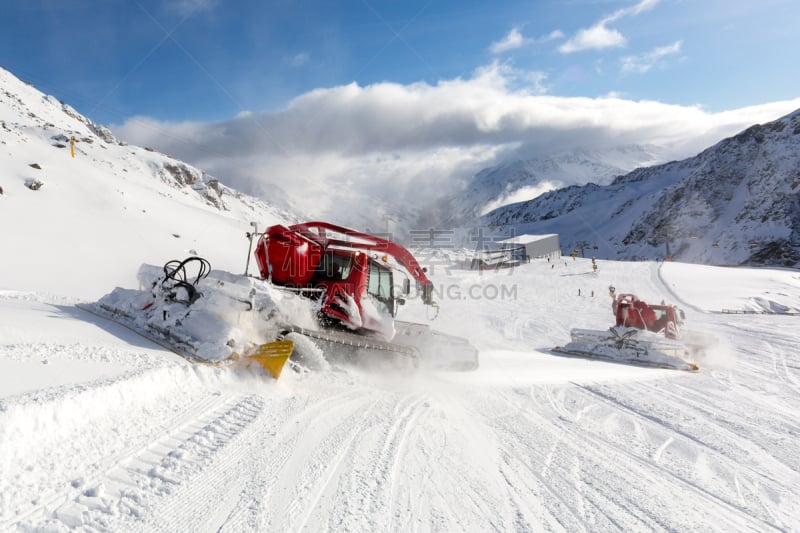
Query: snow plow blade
x=629, y=346
x=272, y=356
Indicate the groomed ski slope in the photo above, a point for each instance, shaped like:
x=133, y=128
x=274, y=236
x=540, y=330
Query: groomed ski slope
x=101, y=430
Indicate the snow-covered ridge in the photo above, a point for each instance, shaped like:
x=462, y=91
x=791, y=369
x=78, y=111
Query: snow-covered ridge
x=27, y=114
x=528, y=177
x=60, y=213
x=734, y=203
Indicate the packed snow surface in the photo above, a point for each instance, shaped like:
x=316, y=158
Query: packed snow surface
x=103, y=430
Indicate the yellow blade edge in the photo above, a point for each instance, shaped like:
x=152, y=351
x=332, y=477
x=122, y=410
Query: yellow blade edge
x=272, y=356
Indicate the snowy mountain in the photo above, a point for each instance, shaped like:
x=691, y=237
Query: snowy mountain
x=734, y=203
x=104, y=430
x=525, y=179
x=96, y=205
x=522, y=179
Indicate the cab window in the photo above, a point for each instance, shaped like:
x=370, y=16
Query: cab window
x=334, y=267
x=380, y=286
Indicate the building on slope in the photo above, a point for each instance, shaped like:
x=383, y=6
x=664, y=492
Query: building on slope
x=534, y=246
x=517, y=250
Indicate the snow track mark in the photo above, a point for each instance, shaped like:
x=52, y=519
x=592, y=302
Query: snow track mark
x=131, y=489
x=702, y=469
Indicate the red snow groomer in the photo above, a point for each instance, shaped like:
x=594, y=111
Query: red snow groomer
x=634, y=313
x=643, y=334
x=353, y=274
x=358, y=281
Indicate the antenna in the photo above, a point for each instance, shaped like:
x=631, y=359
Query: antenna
x=250, y=235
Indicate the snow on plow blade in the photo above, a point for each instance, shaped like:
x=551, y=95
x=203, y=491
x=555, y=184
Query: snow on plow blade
x=272, y=356
x=628, y=345
x=437, y=350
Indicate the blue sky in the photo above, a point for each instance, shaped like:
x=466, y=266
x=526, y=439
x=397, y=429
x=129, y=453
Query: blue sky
x=209, y=60
x=406, y=99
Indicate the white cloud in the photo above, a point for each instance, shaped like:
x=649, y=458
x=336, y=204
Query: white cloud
x=645, y=62
x=536, y=81
x=599, y=35
x=512, y=40
x=298, y=60
x=641, y=7
x=595, y=38
x=336, y=150
x=552, y=36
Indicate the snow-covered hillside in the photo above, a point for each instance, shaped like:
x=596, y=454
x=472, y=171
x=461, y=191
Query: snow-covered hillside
x=103, y=430
x=736, y=202
x=97, y=216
